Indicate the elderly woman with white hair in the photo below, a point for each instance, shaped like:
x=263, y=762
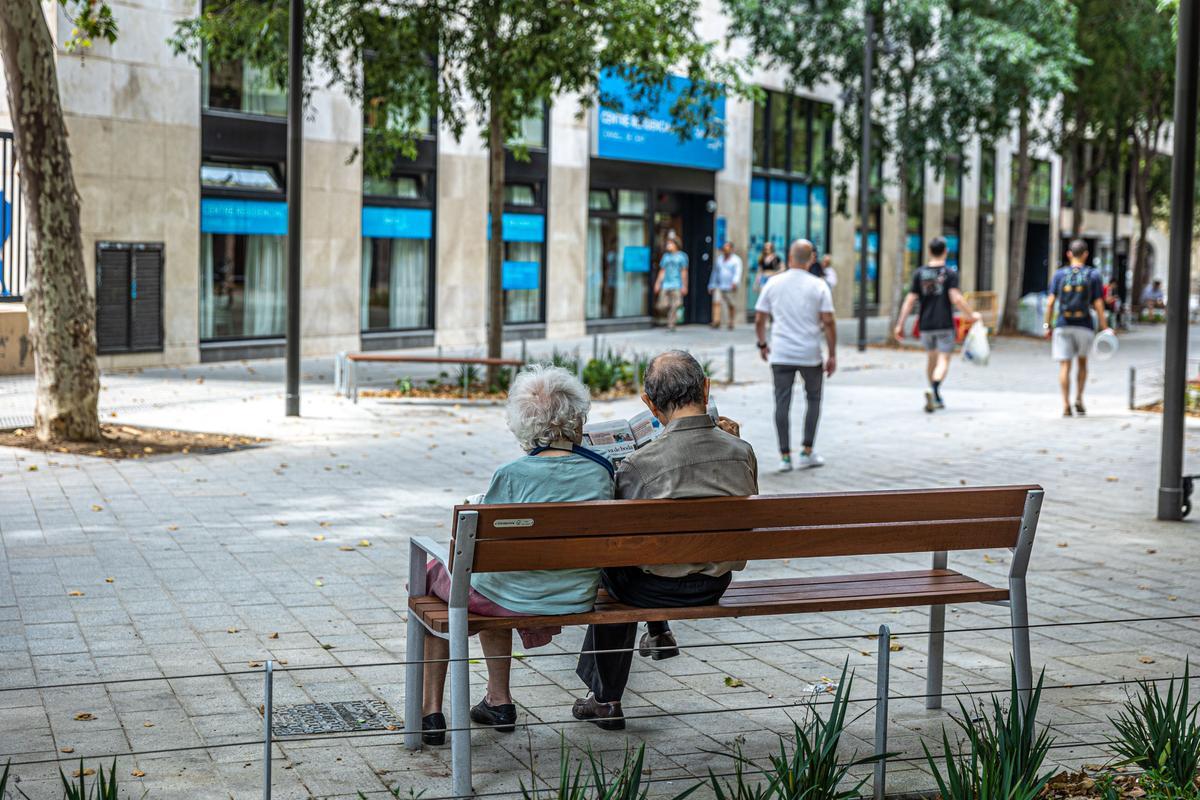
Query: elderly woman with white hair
x=547, y=408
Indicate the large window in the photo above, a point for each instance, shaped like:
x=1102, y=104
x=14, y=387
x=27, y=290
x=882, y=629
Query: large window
x=618, y=254
x=523, y=265
x=239, y=86
x=789, y=193
x=396, y=268
x=243, y=270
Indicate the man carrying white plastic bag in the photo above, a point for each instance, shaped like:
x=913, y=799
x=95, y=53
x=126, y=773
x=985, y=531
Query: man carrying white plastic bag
x=976, y=349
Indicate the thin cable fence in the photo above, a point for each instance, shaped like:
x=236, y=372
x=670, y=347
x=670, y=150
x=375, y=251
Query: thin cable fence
x=523, y=657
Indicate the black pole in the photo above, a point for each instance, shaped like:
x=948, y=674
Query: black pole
x=864, y=184
x=295, y=154
x=1183, y=207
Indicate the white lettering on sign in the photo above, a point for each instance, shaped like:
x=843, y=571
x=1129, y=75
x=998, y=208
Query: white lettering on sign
x=513, y=523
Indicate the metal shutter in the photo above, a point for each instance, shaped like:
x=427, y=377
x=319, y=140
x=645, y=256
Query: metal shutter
x=112, y=299
x=145, y=324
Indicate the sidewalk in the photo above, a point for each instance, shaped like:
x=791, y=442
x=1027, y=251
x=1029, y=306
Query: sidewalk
x=211, y=556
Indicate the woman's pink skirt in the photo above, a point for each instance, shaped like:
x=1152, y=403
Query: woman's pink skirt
x=437, y=579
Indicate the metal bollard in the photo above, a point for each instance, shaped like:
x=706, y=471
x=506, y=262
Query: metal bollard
x=466, y=371
x=729, y=368
x=884, y=663
x=578, y=364
x=1132, y=388
x=595, y=345
x=524, y=351
x=268, y=681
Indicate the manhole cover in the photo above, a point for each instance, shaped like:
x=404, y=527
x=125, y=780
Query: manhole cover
x=343, y=717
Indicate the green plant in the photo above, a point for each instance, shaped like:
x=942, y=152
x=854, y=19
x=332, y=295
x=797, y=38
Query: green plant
x=404, y=385
x=626, y=783
x=102, y=789
x=503, y=380
x=1006, y=753
x=598, y=375
x=708, y=367
x=468, y=375
x=812, y=770
x=4, y=780
x=565, y=359
x=1161, y=734
x=740, y=788
x=1158, y=786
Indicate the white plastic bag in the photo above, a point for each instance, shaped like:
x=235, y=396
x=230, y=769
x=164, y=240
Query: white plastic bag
x=975, y=346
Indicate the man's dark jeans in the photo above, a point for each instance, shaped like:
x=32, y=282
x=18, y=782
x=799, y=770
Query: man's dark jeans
x=607, y=673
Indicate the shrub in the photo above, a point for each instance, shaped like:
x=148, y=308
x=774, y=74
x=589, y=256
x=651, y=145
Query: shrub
x=1160, y=734
x=103, y=788
x=625, y=784
x=1005, y=756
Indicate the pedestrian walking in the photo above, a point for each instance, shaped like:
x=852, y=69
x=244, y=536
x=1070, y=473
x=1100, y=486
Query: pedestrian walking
x=769, y=263
x=935, y=289
x=671, y=286
x=723, y=285
x=1077, y=291
x=799, y=307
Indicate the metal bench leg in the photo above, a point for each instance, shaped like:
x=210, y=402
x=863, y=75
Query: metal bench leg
x=337, y=373
x=414, y=653
x=1019, y=608
x=937, y=646
x=460, y=704
x=352, y=380
x=882, y=685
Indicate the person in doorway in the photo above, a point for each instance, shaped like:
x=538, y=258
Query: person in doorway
x=1153, y=296
x=723, y=285
x=1112, y=302
x=799, y=307
x=769, y=264
x=694, y=456
x=671, y=286
x=1077, y=291
x=935, y=289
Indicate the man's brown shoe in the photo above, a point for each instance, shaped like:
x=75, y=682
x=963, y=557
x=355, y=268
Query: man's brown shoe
x=604, y=715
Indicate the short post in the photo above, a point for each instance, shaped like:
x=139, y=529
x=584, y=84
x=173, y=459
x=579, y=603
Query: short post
x=882, y=679
x=595, y=345
x=337, y=372
x=729, y=367
x=268, y=672
x=578, y=364
x=352, y=379
x=466, y=371
x=524, y=351
x=439, y=351
x=1132, y=388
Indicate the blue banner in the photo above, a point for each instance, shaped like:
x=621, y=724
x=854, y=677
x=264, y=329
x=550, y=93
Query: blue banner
x=914, y=243
x=261, y=217
x=520, y=227
x=628, y=130
x=636, y=259
x=722, y=231
x=389, y=222
x=519, y=275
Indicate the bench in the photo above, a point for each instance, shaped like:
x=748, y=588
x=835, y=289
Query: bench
x=345, y=378
x=511, y=537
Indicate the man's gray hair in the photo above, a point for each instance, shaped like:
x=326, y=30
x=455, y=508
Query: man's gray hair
x=674, y=379
x=546, y=404
x=801, y=252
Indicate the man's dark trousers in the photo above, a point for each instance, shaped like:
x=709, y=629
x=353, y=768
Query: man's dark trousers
x=607, y=673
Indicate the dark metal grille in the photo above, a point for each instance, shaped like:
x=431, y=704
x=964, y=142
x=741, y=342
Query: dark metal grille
x=342, y=717
x=14, y=243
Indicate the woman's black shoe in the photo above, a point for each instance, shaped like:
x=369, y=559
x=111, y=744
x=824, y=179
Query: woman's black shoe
x=502, y=718
x=433, y=729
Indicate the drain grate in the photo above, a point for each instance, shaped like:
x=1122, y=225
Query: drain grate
x=342, y=717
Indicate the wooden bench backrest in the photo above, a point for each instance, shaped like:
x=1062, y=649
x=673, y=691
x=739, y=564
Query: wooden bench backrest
x=620, y=533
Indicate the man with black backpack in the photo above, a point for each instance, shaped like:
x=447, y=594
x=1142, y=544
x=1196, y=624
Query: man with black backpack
x=1078, y=291
x=935, y=288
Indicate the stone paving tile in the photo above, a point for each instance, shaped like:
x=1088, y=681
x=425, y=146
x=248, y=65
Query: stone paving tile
x=193, y=547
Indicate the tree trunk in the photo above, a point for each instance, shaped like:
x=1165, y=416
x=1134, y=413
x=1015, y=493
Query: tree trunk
x=1142, y=164
x=1019, y=206
x=61, y=310
x=898, y=286
x=495, y=321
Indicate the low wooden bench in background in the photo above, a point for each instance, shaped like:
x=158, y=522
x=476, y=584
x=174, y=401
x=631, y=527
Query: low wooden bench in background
x=618, y=533
x=345, y=377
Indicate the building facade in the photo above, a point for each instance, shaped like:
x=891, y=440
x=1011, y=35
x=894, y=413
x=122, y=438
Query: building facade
x=181, y=172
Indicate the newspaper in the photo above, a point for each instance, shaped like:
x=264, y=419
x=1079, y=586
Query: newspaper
x=617, y=439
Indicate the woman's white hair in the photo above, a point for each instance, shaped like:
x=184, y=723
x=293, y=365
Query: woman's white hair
x=546, y=404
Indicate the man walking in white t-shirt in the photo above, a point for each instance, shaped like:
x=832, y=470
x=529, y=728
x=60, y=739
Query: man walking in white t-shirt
x=799, y=307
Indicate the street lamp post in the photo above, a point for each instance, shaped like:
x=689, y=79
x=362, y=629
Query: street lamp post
x=295, y=154
x=864, y=182
x=1183, y=207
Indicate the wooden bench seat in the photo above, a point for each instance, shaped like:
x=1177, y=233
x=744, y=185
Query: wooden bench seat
x=624, y=533
x=927, y=587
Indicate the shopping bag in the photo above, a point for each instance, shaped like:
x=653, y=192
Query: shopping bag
x=975, y=347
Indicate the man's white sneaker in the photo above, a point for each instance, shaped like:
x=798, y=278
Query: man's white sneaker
x=785, y=464
x=809, y=461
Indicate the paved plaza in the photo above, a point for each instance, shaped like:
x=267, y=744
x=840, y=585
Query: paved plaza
x=296, y=551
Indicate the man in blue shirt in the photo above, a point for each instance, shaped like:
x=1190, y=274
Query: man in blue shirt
x=672, y=283
x=1077, y=291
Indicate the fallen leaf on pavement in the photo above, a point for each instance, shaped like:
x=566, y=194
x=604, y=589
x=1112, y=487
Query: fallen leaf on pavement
x=319, y=583
x=66, y=749
x=87, y=773
x=273, y=636
x=172, y=527
x=108, y=580
x=363, y=543
x=97, y=508
x=1146, y=659
x=1112, y=479
x=1150, y=551
x=734, y=682
x=320, y=537
x=1063, y=544
x=231, y=630
x=327, y=646
x=33, y=468
x=147, y=724
x=137, y=773
x=1172, y=598
x=85, y=716
x=255, y=664
x=75, y=593
x=896, y=647
x=281, y=523
x=346, y=548
x=325, y=523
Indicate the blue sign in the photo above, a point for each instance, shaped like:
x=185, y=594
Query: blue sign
x=5, y=232
x=722, y=231
x=387, y=222
x=636, y=259
x=518, y=275
x=629, y=130
x=872, y=241
x=914, y=243
x=520, y=227
x=262, y=217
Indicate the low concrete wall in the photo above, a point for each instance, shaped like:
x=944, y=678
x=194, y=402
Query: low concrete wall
x=16, y=352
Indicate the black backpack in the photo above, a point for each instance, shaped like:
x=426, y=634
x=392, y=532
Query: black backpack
x=1075, y=300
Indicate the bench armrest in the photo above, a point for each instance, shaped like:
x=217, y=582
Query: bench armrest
x=438, y=551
